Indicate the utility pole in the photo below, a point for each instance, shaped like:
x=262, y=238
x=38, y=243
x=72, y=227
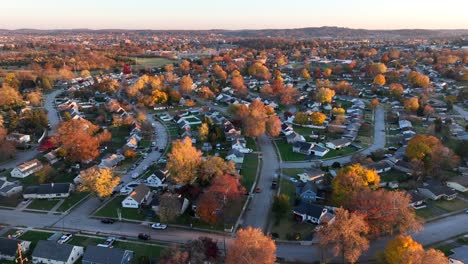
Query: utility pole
x=20, y=258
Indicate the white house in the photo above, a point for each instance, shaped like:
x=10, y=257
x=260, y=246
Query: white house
x=48, y=191
x=310, y=213
x=235, y=156
x=459, y=183
x=8, y=189
x=19, y=138
x=138, y=196
x=240, y=145
x=338, y=143
x=26, y=169
x=312, y=174
x=9, y=248
x=50, y=252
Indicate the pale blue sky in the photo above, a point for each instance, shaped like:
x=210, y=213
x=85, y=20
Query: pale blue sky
x=233, y=14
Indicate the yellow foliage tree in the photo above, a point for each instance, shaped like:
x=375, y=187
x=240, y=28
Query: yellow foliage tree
x=411, y=104
x=398, y=247
x=317, y=118
x=184, y=161
x=379, y=79
x=353, y=179
x=99, y=181
x=324, y=95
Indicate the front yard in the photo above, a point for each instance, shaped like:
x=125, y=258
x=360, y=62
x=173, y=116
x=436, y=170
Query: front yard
x=73, y=199
x=249, y=170
x=286, y=151
x=42, y=204
x=450, y=206
x=110, y=210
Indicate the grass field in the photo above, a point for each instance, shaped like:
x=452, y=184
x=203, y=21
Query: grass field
x=35, y=236
x=292, y=172
x=426, y=213
x=249, y=170
x=42, y=204
x=151, y=62
x=339, y=152
x=140, y=250
x=110, y=210
x=450, y=206
x=73, y=199
x=287, y=153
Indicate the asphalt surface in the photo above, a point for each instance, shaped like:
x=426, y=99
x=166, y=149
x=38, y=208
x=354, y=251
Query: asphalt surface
x=379, y=143
x=259, y=207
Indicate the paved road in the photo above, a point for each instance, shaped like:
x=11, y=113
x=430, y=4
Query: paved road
x=259, y=207
x=379, y=143
x=52, y=115
x=461, y=111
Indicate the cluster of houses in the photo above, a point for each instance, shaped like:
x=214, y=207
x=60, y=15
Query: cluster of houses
x=50, y=251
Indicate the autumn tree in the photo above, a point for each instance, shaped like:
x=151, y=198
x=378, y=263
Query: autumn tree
x=305, y=74
x=351, y=180
x=169, y=207
x=213, y=167
x=237, y=82
x=419, y=79
x=379, y=79
x=385, y=211
x=396, y=90
x=203, y=132
x=107, y=85
x=376, y=68
x=374, y=103
x=251, y=246
x=186, y=85
x=411, y=104
x=99, y=181
x=9, y=97
x=219, y=72
x=11, y=80
x=255, y=118
x=301, y=118
x=324, y=95
x=289, y=95
x=183, y=161
x=338, y=111
x=7, y=148
x=317, y=118
x=184, y=66
x=273, y=126
x=403, y=249
x=260, y=71
x=35, y=98
x=206, y=93
x=346, y=235
x=85, y=73
x=78, y=139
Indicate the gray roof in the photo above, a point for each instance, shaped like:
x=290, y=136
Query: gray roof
x=102, y=255
x=52, y=250
x=460, y=253
x=49, y=188
x=8, y=247
x=309, y=209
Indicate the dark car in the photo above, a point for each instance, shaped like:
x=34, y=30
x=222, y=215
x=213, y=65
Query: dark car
x=144, y=236
x=107, y=221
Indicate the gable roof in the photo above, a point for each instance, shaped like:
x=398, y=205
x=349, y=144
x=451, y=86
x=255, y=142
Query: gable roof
x=52, y=250
x=309, y=209
x=48, y=188
x=8, y=247
x=139, y=193
x=103, y=255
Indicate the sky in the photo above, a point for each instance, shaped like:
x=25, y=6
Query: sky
x=233, y=14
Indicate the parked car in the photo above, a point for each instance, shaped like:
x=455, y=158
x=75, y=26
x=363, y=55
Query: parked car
x=65, y=238
x=107, y=221
x=158, y=226
x=18, y=233
x=135, y=175
x=108, y=243
x=258, y=190
x=144, y=236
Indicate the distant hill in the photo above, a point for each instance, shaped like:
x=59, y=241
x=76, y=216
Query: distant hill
x=310, y=32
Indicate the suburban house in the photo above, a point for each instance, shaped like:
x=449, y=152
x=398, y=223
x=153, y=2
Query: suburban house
x=236, y=156
x=404, y=124
x=132, y=142
x=8, y=189
x=104, y=255
x=437, y=191
x=111, y=161
x=19, y=138
x=157, y=179
x=307, y=192
x=207, y=146
x=417, y=200
x=403, y=166
x=294, y=137
x=459, y=183
x=139, y=195
x=312, y=174
x=380, y=166
x=241, y=145
x=48, y=191
x=9, y=248
x=319, y=150
x=26, y=169
x=50, y=252
x=338, y=143
x=286, y=129
x=303, y=147
x=51, y=157
x=459, y=256
x=309, y=213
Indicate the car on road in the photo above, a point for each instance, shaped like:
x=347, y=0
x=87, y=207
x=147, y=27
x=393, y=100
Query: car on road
x=107, y=221
x=258, y=190
x=161, y=150
x=293, y=180
x=158, y=226
x=153, y=144
x=162, y=160
x=108, y=243
x=65, y=238
x=144, y=236
x=135, y=175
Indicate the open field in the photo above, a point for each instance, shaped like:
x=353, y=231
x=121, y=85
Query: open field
x=142, y=63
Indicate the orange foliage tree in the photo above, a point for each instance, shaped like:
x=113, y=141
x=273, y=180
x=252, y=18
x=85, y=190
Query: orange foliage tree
x=379, y=79
x=184, y=161
x=317, y=118
x=351, y=180
x=403, y=249
x=396, y=90
x=186, y=85
x=78, y=140
x=251, y=246
x=411, y=104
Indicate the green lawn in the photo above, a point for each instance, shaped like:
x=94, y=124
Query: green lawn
x=287, y=153
x=110, y=210
x=292, y=172
x=73, y=199
x=288, y=228
x=10, y=232
x=249, y=170
x=339, y=152
x=85, y=241
x=150, y=62
x=151, y=251
x=251, y=144
x=42, y=204
x=426, y=213
x=288, y=188
x=304, y=131
x=450, y=206
x=35, y=236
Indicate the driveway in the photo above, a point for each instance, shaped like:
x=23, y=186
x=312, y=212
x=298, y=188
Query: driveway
x=259, y=207
x=379, y=143
x=52, y=115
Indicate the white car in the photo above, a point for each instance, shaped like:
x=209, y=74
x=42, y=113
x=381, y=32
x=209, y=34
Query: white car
x=108, y=243
x=293, y=180
x=65, y=238
x=126, y=190
x=158, y=226
x=135, y=175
